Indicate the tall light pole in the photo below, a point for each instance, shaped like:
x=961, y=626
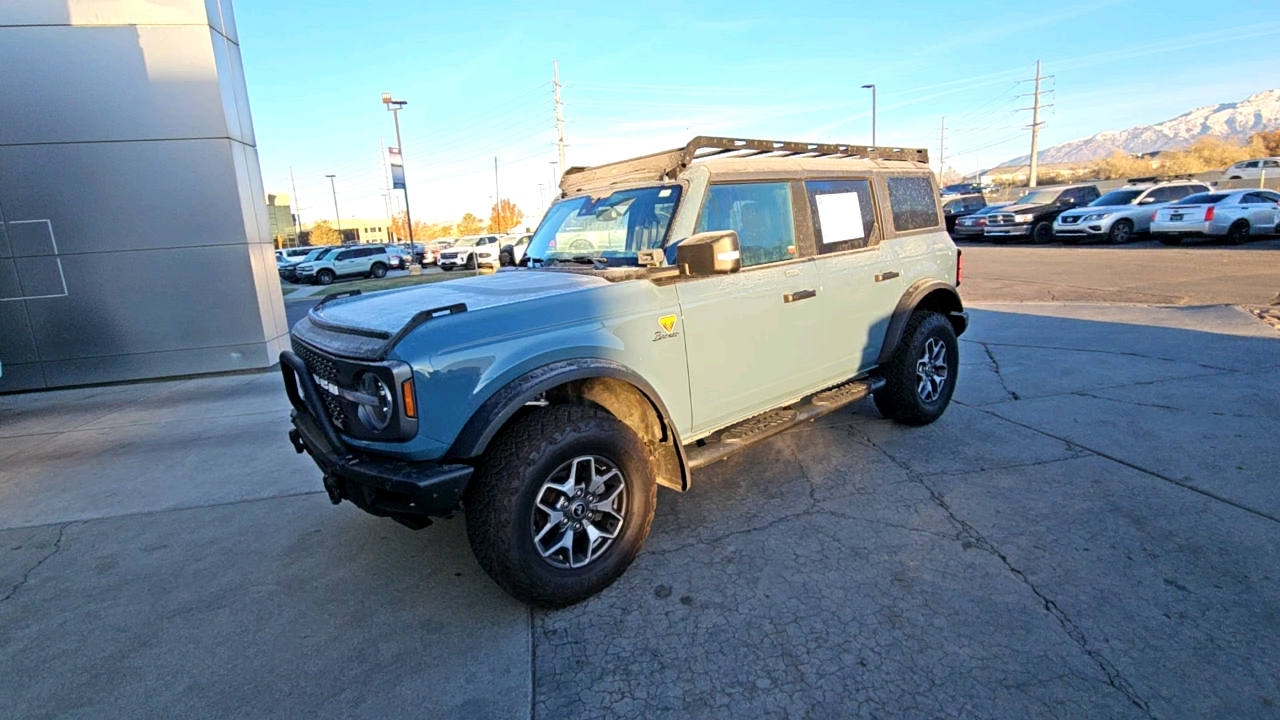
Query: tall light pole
x=555, y=186
x=334, y=188
x=394, y=106
x=872, y=87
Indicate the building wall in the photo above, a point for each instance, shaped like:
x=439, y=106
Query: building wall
x=283, y=231
x=134, y=238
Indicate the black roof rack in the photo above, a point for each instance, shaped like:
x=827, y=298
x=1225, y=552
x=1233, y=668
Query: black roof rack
x=1162, y=178
x=668, y=164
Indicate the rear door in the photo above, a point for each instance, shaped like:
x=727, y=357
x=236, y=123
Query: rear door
x=1261, y=213
x=753, y=338
x=857, y=270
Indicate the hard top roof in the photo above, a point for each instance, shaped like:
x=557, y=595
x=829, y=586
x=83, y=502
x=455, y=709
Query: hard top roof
x=740, y=155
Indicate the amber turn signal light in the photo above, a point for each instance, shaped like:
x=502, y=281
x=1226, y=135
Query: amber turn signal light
x=406, y=395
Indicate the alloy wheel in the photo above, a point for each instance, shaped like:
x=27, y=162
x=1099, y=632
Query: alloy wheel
x=931, y=370
x=579, y=511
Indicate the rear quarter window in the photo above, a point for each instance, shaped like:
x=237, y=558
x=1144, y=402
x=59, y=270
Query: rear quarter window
x=913, y=202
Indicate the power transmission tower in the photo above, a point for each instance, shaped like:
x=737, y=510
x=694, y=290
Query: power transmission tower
x=555, y=66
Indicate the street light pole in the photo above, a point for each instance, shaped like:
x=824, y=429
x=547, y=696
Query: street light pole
x=394, y=106
x=872, y=87
x=338, y=217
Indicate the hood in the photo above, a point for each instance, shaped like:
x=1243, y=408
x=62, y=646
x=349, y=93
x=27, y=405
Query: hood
x=382, y=315
x=1022, y=209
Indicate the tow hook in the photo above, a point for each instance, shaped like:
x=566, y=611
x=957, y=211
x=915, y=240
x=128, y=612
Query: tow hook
x=331, y=487
x=296, y=439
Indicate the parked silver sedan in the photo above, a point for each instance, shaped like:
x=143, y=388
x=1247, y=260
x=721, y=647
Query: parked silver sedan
x=1122, y=214
x=1235, y=215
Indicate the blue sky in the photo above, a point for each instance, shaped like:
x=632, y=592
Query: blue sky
x=641, y=77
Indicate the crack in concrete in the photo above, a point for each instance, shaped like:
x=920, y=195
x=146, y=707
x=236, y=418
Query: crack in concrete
x=57, y=545
x=1139, y=468
x=1114, y=677
x=1106, y=352
x=1138, y=383
x=995, y=364
x=1158, y=406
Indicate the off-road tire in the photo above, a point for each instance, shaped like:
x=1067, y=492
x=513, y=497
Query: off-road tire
x=1124, y=236
x=898, y=399
x=1238, y=233
x=505, y=259
x=500, y=499
x=1042, y=233
x=378, y=270
x=325, y=277
x=471, y=261
x=1170, y=240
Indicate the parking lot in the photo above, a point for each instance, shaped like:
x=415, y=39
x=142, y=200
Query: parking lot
x=1089, y=531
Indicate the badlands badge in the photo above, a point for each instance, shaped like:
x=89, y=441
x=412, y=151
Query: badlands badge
x=668, y=323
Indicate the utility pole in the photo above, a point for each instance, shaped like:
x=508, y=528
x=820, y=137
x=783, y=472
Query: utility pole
x=555, y=186
x=555, y=66
x=872, y=87
x=498, y=202
x=297, y=212
x=1035, y=131
x=336, y=216
x=386, y=175
x=394, y=106
x=942, y=149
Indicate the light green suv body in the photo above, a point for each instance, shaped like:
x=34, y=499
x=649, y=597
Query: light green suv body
x=677, y=308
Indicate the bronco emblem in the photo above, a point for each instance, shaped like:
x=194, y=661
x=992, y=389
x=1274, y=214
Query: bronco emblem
x=668, y=323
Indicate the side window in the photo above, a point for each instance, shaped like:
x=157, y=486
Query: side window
x=1251, y=164
x=976, y=203
x=1271, y=163
x=1252, y=199
x=761, y=215
x=913, y=202
x=843, y=214
x=345, y=255
x=1165, y=194
x=377, y=251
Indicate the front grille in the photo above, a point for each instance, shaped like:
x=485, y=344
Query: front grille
x=325, y=369
x=997, y=219
x=1070, y=219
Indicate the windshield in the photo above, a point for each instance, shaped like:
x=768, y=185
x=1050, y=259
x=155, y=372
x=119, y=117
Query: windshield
x=1117, y=197
x=1039, y=197
x=612, y=228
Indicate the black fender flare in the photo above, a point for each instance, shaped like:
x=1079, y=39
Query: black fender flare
x=943, y=297
x=494, y=412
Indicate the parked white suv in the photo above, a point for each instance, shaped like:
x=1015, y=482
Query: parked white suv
x=357, y=260
x=1253, y=169
x=1122, y=214
x=471, y=252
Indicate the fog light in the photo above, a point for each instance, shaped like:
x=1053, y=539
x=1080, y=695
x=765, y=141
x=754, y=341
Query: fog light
x=376, y=415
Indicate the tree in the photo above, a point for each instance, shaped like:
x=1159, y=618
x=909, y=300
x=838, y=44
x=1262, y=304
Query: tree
x=950, y=176
x=503, y=216
x=1268, y=142
x=322, y=233
x=422, y=231
x=469, y=225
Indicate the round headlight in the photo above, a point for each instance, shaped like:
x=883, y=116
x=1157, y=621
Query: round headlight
x=376, y=415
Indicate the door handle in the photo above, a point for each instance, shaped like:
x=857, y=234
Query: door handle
x=799, y=295
x=887, y=276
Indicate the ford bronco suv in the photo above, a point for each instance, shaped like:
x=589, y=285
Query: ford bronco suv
x=676, y=308
x=369, y=261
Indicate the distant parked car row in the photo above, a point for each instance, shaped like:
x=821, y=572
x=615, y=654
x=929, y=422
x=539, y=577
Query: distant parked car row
x=321, y=266
x=1167, y=210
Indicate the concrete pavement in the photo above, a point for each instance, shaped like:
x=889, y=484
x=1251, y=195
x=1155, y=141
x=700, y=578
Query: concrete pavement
x=1088, y=532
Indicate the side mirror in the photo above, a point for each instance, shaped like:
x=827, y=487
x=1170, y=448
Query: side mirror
x=710, y=253
x=1147, y=201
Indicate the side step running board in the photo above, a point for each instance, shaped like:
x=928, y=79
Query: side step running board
x=752, y=430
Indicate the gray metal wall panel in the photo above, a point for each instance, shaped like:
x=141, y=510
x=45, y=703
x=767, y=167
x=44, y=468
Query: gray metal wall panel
x=29, y=376
x=135, y=144
x=106, y=12
x=147, y=301
x=139, y=366
x=127, y=196
x=86, y=84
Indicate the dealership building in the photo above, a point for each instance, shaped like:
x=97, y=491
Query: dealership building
x=135, y=239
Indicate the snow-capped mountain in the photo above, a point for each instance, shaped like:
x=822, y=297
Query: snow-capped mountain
x=1235, y=121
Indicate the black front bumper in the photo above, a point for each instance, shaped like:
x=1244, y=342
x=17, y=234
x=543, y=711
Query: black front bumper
x=407, y=492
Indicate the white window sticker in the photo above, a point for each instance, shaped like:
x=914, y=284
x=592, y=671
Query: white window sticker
x=665, y=193
x=840, y=217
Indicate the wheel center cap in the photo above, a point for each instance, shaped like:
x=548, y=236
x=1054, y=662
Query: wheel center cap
x=578, y=510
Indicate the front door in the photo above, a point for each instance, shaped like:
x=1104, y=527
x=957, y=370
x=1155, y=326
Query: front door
x=753, y=338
